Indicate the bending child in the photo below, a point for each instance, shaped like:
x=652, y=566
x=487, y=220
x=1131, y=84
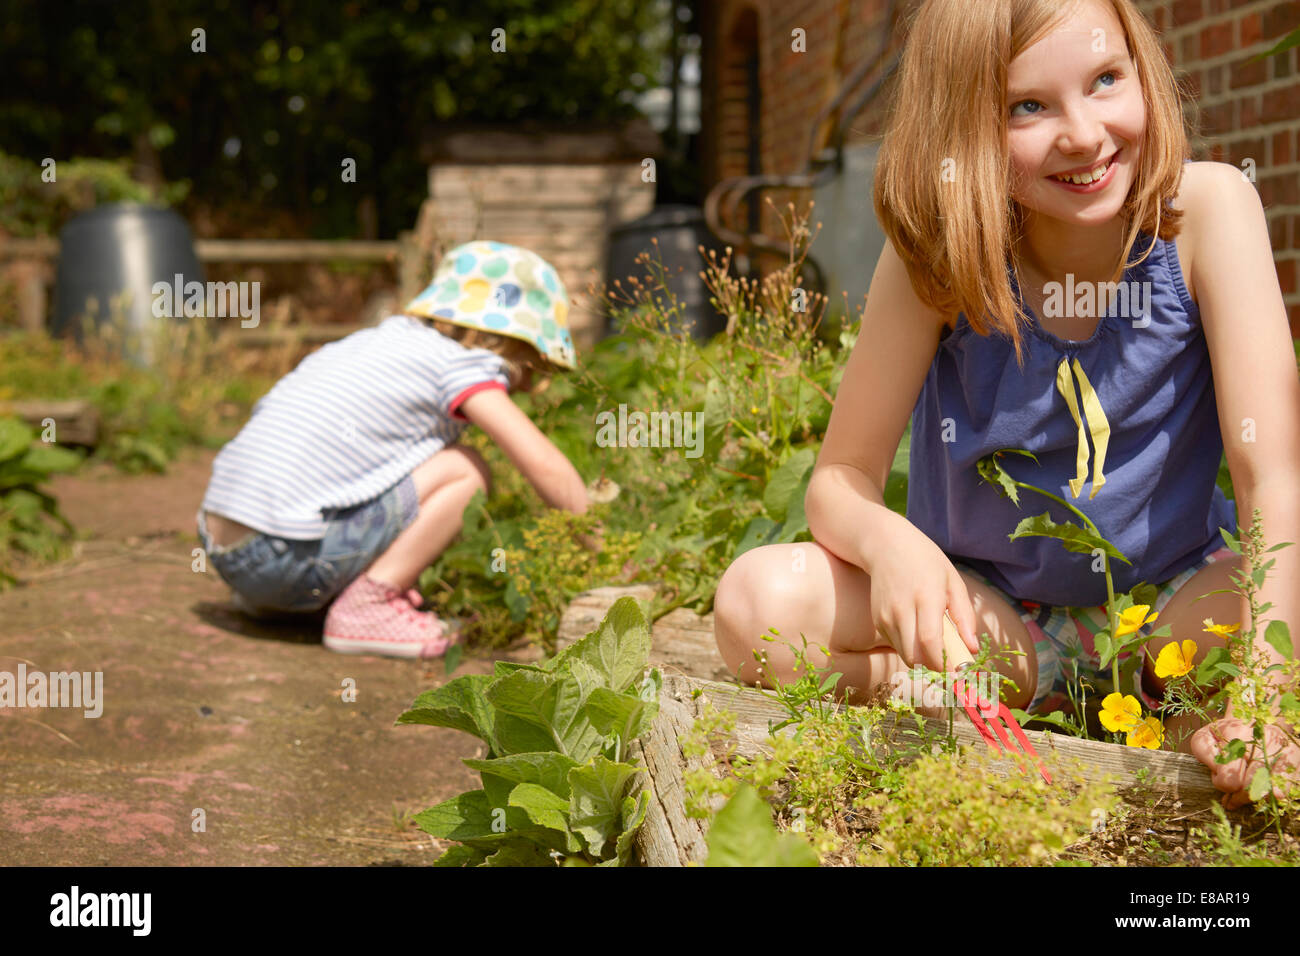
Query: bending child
x=347, y=481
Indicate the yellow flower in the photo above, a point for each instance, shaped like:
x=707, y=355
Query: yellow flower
x=1149, y=734
x=1175, y=660
x=1223, y=630
x=1120, y=713
x=1132, y=619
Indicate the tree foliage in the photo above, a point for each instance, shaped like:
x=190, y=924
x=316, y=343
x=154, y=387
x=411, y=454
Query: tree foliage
x=284, y=91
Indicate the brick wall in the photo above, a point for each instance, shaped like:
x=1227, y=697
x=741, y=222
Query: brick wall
x=562, y=213
x=561, y=203
x=1246, y=111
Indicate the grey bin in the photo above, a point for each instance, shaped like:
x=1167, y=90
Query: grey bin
x=117, y=249
x=680, y=230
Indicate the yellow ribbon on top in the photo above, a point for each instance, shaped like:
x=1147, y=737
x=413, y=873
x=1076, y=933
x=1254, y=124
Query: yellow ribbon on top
x=1098, y=426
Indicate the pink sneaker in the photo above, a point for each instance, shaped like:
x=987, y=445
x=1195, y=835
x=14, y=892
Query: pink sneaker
x=370, y=617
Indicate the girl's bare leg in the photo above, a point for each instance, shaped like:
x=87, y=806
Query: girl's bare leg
x=803, y=588
x=443, y=484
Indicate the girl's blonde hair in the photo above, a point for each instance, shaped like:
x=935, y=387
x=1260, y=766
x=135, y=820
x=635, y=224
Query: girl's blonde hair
x=950, y=113
x=523, y=363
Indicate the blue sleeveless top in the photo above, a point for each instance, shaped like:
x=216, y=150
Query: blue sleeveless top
x=1141, y=438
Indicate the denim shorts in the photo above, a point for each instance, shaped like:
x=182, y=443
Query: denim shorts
x=1063, y=641
x=275, y=575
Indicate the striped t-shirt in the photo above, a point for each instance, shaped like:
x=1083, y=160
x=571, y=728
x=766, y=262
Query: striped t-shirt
x=351, y=421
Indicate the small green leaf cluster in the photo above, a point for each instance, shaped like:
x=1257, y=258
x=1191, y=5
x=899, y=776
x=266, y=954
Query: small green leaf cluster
x=557, y=780
x=955, y=810
x=519, y=573
x=30, y=520
x=743, y=835
x=857, y=785
x=33, y=205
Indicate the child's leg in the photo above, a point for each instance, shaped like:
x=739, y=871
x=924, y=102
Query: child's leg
x=1181, y=607
x=803, y=588
x=373, y=614
x=444, y=484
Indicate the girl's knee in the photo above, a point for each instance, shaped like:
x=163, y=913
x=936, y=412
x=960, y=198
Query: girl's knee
x=475, y=467
x=751, y=591
x=455, y=463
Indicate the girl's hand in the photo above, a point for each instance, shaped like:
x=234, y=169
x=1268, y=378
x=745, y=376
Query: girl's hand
x=910, y=590
x=1235, y=776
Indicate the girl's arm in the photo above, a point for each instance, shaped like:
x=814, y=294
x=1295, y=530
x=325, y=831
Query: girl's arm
x=845, y=502
x=1255, y=382
x=545, y=466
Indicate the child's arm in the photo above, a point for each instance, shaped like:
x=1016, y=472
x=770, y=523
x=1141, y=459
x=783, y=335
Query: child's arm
x=911, y=579
x=1245, y=323
x=535, y=455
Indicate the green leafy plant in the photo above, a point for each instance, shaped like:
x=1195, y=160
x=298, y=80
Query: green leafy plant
x=956, y=811
x=1120, y=642
x=557, y=778
x=30, y=520
x=742, y=834
x=33, y=205
x=194, y=393
x=522, y=573
x=761, y=395
x=875, y=785
x=1258, y=692
x=1229, y=673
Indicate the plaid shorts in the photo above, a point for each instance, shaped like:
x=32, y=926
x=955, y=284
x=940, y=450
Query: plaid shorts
x=1063, y=641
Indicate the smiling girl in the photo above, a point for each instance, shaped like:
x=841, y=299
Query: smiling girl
x=1033, y=143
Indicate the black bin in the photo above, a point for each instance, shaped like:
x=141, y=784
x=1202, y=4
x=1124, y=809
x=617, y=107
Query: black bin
x=121, y=248
x=680, y=229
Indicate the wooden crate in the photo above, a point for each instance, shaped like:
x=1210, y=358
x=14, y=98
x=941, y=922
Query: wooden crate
x=683, y=647
x=76, y=422
x=670, y=838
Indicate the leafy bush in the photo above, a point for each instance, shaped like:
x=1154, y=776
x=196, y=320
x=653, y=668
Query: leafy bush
x=193, y=393
x=743, y=835
x=760, y=397
x=30, y=206
x=556, y=781
x=956, y=811
x=30, y=520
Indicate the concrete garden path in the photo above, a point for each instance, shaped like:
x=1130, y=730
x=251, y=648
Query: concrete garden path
x=203, y=710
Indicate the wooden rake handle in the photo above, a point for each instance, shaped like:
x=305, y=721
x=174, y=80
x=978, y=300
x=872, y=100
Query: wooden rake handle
x=953, y=645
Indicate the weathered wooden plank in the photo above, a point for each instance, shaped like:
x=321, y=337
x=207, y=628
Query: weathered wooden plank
x=76, y=422
x=238, y=250
x=295, y=250
x=1182, y=774
x=668, y=837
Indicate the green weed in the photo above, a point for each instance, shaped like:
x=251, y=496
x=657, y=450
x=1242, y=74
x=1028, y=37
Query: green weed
x=30, y=520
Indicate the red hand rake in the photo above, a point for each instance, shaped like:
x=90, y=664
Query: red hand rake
x=977, y=707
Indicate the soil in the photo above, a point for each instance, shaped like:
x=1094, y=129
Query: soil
x=208, y=717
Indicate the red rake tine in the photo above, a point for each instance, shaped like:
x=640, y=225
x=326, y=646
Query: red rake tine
x=971, y=703
x=976, y=707
x=1024, y=741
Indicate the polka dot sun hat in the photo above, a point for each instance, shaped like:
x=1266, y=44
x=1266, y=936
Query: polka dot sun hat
x=503, y=289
